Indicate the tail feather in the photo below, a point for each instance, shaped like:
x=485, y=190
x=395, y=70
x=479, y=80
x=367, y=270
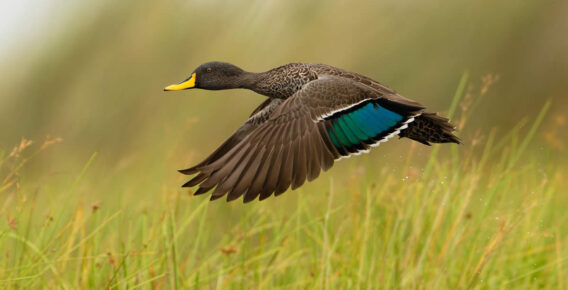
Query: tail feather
x=431, y=128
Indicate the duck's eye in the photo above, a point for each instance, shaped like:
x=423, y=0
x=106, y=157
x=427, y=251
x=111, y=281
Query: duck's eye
x=208, y=70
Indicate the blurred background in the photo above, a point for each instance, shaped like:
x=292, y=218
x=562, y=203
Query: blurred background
x=90, y=145
x=92, y=72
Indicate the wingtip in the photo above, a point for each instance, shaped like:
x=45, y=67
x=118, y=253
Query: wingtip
x=231, y=198
x=215, y=197
x=248, y=196
x=245, y=200
x=188, y=171
x=264, y=195
x=201, y=190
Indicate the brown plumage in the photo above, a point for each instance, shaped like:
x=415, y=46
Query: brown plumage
x=314, y=115
x=429, y=127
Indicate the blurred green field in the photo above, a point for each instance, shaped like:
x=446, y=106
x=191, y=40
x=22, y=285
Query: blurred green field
x=90, y=145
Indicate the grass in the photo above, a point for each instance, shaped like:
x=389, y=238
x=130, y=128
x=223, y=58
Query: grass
x=486, y=215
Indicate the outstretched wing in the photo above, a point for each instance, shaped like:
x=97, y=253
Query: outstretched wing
x=258, y=116
x=329, y=118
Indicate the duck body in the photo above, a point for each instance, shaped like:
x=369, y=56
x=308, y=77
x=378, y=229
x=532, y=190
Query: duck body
x=314, y=114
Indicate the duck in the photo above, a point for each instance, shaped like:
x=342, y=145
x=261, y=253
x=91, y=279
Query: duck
x=314, y=115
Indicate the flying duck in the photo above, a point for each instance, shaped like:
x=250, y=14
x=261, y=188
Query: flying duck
x=314, y=114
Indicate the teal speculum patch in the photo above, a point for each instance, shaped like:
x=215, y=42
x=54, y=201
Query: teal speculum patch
x=368, y=122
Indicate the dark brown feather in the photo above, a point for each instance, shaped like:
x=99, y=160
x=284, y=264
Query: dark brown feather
x=259, y=116
x=221, y=168
x=236, y=168
x=196, y=180
x=299, y=168
x=285, y=176
x=260, y=178
x=331, y=150
x=313, y=155
x=225, y=147
x=429, y=127
x=246, y=178
x=255, y=188
x=272, y=175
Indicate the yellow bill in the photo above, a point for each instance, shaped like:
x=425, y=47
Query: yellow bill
x=186, y=84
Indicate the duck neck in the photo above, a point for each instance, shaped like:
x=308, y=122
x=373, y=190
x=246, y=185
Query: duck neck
x=262, y=83
x=255, y=82
x=249, y=80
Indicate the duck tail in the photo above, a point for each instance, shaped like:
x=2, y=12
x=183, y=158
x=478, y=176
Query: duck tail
x=431, y=128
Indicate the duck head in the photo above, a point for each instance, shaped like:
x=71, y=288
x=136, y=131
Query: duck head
x=213, y=75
